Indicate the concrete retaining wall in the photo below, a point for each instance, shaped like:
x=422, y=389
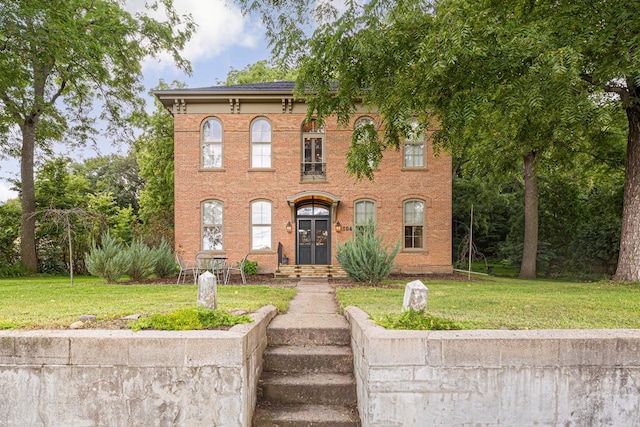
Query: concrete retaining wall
x=490, y=378
x=124, y=378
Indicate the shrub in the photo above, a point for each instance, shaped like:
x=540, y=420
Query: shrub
x=14, y=270
x=190, y=319
x=110, y=261
x=418, y=321
x=250, y=267
x=365, y=258
x=165, y=262
x=143, y=260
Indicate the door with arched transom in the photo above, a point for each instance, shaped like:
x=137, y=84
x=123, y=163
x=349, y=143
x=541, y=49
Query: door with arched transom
x=313, y=241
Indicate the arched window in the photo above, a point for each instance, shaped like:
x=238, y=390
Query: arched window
x=261, y=225
x=361, y=127
x=212, y=225
x=261, y=143
x=413, y=212
x=211, y=144
x=414, y=148
x=364, y=213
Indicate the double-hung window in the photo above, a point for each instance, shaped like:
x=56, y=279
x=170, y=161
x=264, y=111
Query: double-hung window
x=211, y=144
x=414, y=148
x=261, y=143
x=364, y=214
x=413, y=222
x=212, y=226
x=363, y=126
x=261, y=225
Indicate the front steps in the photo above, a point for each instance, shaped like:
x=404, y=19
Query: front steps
x=311, y=270
x=307, y=377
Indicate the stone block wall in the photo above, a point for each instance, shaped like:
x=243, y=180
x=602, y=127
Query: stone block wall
x=124, y=378
x=495, y=378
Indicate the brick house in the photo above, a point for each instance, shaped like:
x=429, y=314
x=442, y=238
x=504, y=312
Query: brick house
x=251, y=173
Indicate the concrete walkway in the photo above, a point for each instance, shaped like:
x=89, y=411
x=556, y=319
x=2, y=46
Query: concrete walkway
x=314, y=307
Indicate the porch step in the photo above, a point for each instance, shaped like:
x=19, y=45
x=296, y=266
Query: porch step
x=303, y=270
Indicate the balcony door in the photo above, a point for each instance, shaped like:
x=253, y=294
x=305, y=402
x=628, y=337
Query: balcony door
x=314, y=237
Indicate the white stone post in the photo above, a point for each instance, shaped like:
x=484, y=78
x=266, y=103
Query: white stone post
x=207, y=291
x=415, y=296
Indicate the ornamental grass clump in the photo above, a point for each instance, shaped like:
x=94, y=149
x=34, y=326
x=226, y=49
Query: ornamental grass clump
x=143, y=261
x=365, y=258
x=165, y=263
x=110, y=261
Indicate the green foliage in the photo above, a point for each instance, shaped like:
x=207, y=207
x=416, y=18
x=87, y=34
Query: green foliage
x=14, y=270
x=109, y=261
x=251, y=267
x=142, y=261
x=154, y=155
x=164, y=260
x=418, y=321
x=10, y=214
x=49, y=94
x=190, y=319
x=366, y=258
x=259, y=72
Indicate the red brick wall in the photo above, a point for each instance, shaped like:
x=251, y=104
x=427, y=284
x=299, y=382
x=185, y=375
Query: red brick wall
x=236, y=186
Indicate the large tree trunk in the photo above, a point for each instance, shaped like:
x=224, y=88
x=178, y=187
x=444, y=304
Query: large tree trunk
x=530, y=248
x=629, y=258
x=28, y=224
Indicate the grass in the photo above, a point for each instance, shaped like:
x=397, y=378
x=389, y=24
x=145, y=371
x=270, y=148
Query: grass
x=500, y=303
x=51, y=303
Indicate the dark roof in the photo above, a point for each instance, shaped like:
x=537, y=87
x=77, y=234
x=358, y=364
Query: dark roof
x=282, y=87
x=265, y=86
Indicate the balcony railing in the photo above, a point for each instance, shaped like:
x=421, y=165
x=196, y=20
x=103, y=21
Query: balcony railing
x=313, y=171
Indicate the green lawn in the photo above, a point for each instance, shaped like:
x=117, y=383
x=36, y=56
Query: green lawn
x=50, y=302
x=496, y=303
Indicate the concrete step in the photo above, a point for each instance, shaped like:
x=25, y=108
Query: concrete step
x=277, y=388
x=297, y=359
x=306, y=416
x=310, y=271
x=308, y=329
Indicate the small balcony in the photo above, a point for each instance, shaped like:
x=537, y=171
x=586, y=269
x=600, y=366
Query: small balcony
x=313, y=171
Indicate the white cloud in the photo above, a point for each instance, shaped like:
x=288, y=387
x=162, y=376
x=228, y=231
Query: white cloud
x=219, y=27
x=6, y=193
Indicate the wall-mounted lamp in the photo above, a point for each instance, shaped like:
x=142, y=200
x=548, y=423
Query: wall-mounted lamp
x=338, y=227
x=289, y=227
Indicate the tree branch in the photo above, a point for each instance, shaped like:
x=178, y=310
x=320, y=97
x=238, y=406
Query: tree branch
x=622, y=91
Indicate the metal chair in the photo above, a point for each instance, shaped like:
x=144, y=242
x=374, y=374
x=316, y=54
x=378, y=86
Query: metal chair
x=186, y=267
x=205, y=261
x=237, y=266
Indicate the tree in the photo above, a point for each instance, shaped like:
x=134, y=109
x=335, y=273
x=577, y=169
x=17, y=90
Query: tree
x=61, y=56
x=154, y=155
x=260, y=71
x=115, y=174
x=502, y=84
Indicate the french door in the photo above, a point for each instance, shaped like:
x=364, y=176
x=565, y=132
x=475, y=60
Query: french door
x=314, y=244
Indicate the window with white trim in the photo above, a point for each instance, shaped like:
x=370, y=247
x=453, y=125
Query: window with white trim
x=359, y=126
x=211, y=144
x=261, y=143
x=414, y=148
x=212, y=226
x=261, y=225
x=413, y=222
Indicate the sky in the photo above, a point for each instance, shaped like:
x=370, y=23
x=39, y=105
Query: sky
x=224, y=39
